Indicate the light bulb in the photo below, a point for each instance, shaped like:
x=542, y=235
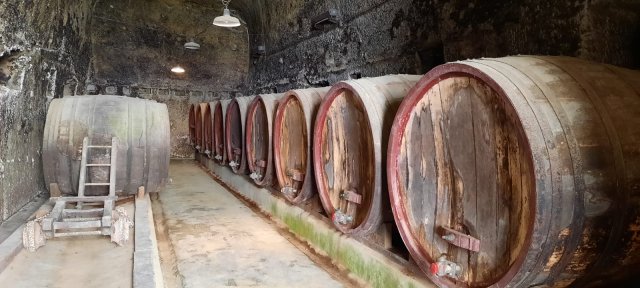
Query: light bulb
x=177, y=70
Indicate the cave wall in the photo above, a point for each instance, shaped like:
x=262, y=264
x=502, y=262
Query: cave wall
x=44, y=54
x=378, y=37
x=51, y=48
x=136, y=43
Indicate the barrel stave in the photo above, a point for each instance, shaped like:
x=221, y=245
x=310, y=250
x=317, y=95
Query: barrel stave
x=192, y=124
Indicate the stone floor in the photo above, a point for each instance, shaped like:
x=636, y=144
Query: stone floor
x=218, y=241
x=73, y=262
x=206, y=238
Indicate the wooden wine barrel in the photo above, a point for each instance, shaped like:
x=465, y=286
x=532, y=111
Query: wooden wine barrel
x=523, y=171
x=192, y=124
x=200, y=111
x=207, y=129
x=258, y=137
x=234, y=128
x=141, y=127
x=219, y=112
x=350, y=132
x=292, y=140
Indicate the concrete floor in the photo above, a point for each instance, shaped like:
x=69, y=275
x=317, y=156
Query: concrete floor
x=73, y=262
x=217, y=241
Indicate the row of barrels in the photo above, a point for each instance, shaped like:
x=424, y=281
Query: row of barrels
x=508, y=172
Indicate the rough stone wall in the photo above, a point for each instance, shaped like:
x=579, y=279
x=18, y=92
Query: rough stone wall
x=43, y=55
x=136, y=43
x=377, y=37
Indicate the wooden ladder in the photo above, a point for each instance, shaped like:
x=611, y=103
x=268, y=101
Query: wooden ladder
x=85, y=218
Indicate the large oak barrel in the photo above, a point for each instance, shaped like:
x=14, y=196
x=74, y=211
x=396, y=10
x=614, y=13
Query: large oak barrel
x=140, y=126
x=219, y=112
x=234, y=128
x=199, y=127
x=292, y=140
x=351, y=133
x=192, y=124
x=207, y=128
x=259, y=137
x=519, y=172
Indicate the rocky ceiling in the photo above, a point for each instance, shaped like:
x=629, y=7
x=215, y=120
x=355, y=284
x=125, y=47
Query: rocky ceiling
x=248, y=10
x=135, y=43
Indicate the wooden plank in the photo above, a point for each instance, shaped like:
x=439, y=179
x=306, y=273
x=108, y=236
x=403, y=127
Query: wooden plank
x=83, y=199
x=460, y=138
x=77, y=225
x=112, y=171
x=486, y=184
x=515, y=173
x=107, y=216
x=418, y=163
x=503, y=127
x=442, y=211
x=93, y=212
x=83, y=167
x=78, y=233
x=54, y=190
x=82, y=219
x=54, y=215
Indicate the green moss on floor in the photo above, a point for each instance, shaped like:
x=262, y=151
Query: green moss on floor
x=375, y=274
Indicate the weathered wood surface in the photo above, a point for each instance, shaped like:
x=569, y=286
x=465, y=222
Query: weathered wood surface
x=207, y=129
x=201, y=110
x=235, y=121
x=219, y=112
x=534, y=156
x=192, y=124
x=351, y=130
x=259, y=140
x=292, y=140
x=141, y=127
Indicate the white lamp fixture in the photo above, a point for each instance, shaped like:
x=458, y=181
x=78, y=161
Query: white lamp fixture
x=177, y=70
x=192, y=45
x=226, y=20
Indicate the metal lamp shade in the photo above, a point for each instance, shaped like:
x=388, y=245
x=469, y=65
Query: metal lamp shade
x=226, y=20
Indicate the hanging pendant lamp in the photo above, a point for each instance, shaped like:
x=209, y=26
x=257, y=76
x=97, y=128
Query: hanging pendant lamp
x=226, y=20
